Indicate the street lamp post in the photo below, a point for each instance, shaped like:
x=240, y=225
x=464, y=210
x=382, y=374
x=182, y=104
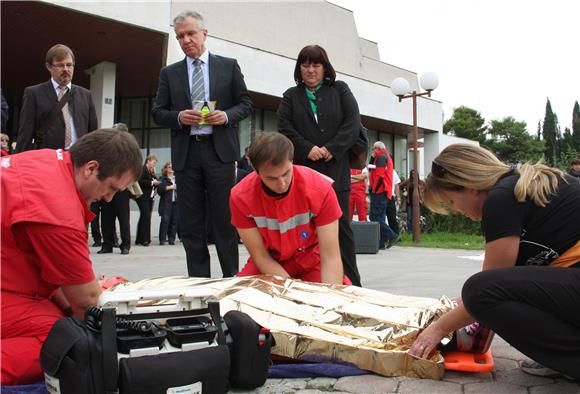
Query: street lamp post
x=400, y=88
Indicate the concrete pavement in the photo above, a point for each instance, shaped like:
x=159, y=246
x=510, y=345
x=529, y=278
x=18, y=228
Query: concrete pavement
x=406, y=271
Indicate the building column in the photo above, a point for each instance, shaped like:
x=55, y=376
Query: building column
x=103, y=77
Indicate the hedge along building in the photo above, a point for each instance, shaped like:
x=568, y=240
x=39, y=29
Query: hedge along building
x=121, y=46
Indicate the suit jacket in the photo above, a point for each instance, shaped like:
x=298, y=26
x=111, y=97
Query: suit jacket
x=227, y=88
x=38, y=102
x=337, y=128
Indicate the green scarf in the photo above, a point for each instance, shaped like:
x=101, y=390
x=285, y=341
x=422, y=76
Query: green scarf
x=312, y=97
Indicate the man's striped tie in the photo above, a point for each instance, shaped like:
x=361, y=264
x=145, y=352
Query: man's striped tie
x=197, y=86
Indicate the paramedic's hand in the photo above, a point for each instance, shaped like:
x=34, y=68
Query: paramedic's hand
x=427, y=341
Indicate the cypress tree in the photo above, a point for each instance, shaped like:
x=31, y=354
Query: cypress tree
x=550, y=135
x=576, y=127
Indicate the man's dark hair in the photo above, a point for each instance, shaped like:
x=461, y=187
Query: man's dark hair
x=270, y=147
x=59, y=51
x=575, y=162
x=314, y=54
x=116, y=151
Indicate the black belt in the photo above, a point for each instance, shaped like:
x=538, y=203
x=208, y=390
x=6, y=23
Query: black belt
x=200, y=137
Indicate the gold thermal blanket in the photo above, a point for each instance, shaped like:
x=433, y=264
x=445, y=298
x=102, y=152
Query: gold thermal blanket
x=316, y=322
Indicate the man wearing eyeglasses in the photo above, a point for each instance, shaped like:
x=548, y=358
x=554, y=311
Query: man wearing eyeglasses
x=55, y=113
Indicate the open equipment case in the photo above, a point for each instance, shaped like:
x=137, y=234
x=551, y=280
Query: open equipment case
x=156, y=341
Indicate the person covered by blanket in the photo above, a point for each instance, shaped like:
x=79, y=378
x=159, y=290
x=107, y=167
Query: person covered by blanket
x=46, y=269
x=287, y=216
x=529, y=289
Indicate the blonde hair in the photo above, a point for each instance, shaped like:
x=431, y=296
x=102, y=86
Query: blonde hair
x=463, y=166
x=164, y=169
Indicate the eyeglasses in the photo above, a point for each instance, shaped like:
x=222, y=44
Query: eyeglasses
x=438, y=170
x=61, y=66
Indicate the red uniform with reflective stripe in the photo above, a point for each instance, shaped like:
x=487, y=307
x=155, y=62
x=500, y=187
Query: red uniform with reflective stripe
x=44, y=246
x=287, y=224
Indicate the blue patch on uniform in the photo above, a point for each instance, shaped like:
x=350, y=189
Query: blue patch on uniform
x=304, y=234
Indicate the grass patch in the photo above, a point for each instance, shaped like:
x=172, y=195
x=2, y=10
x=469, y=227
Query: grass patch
x=445, y=240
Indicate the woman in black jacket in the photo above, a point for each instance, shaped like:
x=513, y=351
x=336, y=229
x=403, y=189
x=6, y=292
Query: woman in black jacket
x=148, y=183
x=320, y=116
x=167, y=191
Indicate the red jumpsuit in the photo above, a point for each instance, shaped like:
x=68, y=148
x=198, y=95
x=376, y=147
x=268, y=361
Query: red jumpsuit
x=358, y=197
x=44, y=246
x=287, y=223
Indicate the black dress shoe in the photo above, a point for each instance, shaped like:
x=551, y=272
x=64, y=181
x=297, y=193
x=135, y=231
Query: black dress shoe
x=97, y=244
x=146, y=243
x=124, y=251
x=102, y=251
x=161, y=243
x=171, y=242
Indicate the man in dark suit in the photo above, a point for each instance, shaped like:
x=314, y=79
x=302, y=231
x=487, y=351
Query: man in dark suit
x=42, y=124
x=203, y=149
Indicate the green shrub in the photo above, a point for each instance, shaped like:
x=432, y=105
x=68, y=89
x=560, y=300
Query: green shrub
x=452, y=224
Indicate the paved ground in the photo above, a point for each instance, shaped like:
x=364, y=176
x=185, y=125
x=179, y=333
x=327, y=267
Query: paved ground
x=406, y=271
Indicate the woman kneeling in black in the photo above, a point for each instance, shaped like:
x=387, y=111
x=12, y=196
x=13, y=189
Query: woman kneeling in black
x=529, y=290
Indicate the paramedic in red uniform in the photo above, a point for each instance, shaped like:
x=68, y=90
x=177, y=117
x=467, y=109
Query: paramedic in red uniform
x=287, y=216
x=358, y=193
x=46, y=271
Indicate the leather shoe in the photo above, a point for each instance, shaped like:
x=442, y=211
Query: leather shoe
x=124, y=251
x=97, y=244
x=171, y=242
x=145, y=243
x=102, y=251
x=161, y=243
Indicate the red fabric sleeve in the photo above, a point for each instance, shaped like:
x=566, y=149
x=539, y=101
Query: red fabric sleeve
x=63, y=253
x=239, y=218
x=329, y=209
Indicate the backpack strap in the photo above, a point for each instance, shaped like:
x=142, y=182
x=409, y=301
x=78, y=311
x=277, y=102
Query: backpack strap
x=110, y=363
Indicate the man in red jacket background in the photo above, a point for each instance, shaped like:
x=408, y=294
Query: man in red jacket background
x=381, y=190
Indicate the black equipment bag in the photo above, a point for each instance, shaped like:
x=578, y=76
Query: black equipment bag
x=250, y=350
x=198, y=371
x=81, y=356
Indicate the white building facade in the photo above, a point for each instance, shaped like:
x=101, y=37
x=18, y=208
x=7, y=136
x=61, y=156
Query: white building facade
x=123, y=45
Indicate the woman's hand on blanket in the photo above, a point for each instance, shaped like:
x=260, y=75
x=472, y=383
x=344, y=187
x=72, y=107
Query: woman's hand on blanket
x=427, y=341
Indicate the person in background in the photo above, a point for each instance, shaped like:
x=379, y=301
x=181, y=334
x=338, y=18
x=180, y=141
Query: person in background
x=380, y=190
x=320, y=116
x=167, y=191
x=407, y=187
x=287, y=216
x=116, y=209
x=575, y=168
x=148, y=182
x=203, y=150
x=244, y=162
x=392, y=206
x=5, y=144
x=4, y=114
x=529, y=289
x=46, y=269
x=41, y=124
x=358, y=193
